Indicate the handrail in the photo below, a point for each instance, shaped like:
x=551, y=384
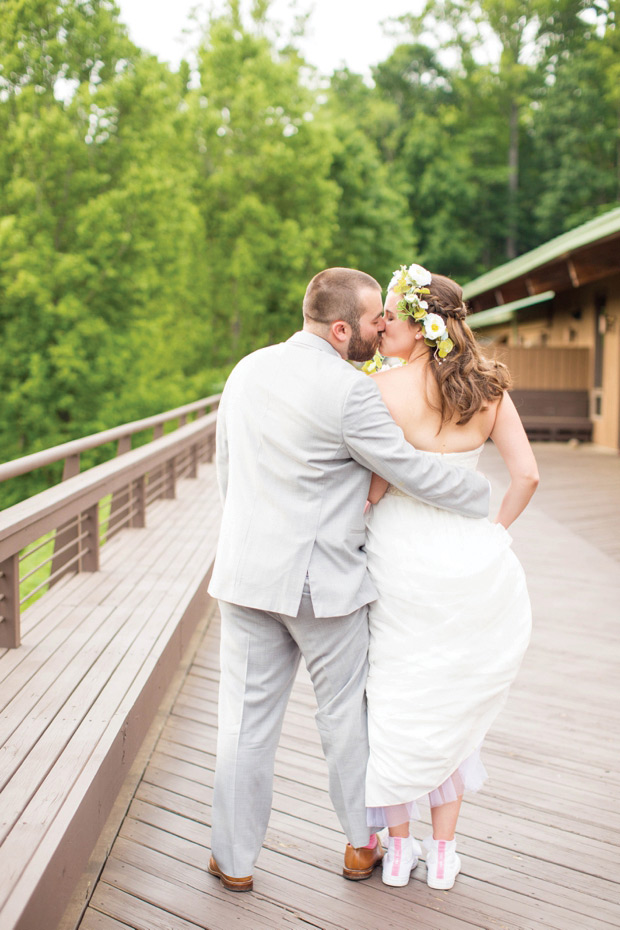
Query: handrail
x=73, y=507
x=28, y=463
x=30, y=517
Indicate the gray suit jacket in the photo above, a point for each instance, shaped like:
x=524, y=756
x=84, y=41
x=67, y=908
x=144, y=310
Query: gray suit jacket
x=299, y=432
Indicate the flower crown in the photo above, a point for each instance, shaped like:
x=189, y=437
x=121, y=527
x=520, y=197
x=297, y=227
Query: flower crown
x=412, y=283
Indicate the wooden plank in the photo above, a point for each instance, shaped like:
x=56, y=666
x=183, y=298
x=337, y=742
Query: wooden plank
x=194, y=904
x=140, y=914
x=95, y=920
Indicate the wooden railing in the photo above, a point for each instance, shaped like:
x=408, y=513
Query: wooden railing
x=72, y=511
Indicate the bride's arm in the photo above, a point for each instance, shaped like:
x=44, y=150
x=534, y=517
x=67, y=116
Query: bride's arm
x=514, y=447
x=378, y=487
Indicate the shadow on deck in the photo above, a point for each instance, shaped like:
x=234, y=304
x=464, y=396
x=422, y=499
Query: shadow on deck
x=539, y=844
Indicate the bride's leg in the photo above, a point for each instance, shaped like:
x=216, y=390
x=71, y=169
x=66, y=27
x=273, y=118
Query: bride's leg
x=401, y=856
x=442, y=862
x=444, y=818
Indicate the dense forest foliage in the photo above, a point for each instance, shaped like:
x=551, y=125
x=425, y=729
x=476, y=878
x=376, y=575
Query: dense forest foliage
x=156, y=225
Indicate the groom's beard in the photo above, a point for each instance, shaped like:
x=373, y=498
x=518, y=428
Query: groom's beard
x=360, y=350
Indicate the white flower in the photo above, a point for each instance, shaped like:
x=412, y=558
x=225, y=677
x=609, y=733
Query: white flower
x=419, y=276
x=434, y=326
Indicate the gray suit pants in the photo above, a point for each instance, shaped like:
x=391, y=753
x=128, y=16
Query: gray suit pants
x=260, y=653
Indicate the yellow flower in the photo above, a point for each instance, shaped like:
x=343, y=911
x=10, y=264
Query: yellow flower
x=372, y=365
x=445, y=346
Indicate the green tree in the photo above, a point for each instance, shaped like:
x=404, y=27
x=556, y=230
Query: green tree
x=527, y=32
x=447, y=141
x=267, y=203
x=573, y=154
x=101, y=243
x=374, y=226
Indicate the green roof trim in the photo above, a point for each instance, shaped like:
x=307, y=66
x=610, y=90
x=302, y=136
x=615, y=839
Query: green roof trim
x=592, y=231
x=505, y=312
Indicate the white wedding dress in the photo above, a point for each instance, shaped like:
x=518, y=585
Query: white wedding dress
x=447, y=635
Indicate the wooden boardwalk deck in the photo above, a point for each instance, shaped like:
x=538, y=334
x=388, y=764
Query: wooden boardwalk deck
x=98, y=653
x=540, y=844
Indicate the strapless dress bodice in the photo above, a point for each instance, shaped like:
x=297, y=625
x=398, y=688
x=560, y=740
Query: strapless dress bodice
x=468, y=459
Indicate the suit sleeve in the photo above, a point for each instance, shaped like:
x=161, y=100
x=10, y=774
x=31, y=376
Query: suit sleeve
x=221, y=447
x=377, y=442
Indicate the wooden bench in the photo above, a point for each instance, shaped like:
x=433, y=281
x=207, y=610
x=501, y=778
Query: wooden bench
x=555, y=416
x=98, y=652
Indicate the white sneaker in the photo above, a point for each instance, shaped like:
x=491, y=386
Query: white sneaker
x=442, y=863
x=400, y=860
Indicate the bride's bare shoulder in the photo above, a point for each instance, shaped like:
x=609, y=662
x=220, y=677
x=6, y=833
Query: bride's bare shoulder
x=399, y=387
x=392, y=376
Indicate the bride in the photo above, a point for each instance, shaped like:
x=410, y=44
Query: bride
x=452, y=620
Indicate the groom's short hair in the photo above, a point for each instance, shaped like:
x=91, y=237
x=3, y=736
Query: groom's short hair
x=334, y=294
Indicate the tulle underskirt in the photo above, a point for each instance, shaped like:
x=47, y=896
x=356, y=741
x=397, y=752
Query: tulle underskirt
x=469, y=777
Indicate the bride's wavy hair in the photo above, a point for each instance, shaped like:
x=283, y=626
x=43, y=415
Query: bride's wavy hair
x=467, y=380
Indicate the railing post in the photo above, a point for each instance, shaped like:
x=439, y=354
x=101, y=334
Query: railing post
x=120, y=499
x=211, y=446
x=139, y=501
x=71, y=467
x=89, y=523
x=10, y=633
x=70, y=531
x=170, y=486
x=158, y=432
x=124, y=445
x=193, y=468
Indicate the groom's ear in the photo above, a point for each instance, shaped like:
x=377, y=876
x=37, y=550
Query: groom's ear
x=340, y=330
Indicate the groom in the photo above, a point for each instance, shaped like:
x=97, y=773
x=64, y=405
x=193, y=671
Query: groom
x=299, y=432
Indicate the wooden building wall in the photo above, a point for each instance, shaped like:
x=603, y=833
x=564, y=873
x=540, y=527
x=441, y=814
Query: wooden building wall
x=544, y=368
x=573, y=342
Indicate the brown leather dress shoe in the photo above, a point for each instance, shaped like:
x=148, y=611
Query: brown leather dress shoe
x=359, y=863
x=233, y=884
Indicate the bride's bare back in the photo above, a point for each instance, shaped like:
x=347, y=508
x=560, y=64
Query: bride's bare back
x=411, y=395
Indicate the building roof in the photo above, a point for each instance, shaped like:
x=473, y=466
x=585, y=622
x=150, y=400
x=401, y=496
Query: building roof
x=505, y=312
x=561, y=247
